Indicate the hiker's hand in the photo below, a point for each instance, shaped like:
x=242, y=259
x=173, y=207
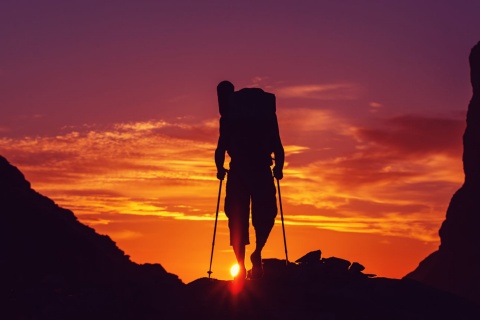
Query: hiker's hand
x=277, y=173
x=221, y=174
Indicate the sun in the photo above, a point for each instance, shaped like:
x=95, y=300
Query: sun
x=234, y=270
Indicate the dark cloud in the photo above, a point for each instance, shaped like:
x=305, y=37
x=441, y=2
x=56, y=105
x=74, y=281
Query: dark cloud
x=410, y=151
x=417, y=135
x=35, y=157
x=366, y=168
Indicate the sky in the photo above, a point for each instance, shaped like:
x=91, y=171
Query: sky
x=109, y=108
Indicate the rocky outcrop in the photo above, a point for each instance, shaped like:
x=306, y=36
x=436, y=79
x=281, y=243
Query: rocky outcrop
x=322, y=288
x=455, y=266
x=54, y=267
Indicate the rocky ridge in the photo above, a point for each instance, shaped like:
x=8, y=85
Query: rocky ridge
x=54, y=267
x=454, y=266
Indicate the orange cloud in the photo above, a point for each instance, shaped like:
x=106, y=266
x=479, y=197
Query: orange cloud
x=336, y=91
x=118, y=168
x=338, y=176
x=393, y=177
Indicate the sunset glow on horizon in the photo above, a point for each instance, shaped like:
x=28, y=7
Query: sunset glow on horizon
x=111, y=112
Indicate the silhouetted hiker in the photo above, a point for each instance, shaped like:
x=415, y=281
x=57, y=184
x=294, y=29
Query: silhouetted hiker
x=249, y=134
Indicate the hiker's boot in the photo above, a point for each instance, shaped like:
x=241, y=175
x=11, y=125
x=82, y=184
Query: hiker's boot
x=257, y=266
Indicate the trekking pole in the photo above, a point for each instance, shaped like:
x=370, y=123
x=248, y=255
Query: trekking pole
x=215, y=228
x=283, y=223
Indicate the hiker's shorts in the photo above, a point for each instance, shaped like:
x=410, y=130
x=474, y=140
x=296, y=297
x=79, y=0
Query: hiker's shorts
x=258, y=188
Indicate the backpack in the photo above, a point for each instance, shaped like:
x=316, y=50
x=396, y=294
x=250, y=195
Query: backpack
x=248, y=118
x=247, y=103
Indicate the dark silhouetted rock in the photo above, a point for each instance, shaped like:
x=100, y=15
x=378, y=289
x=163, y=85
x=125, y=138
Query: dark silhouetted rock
x=54, y=267
x=274, y=268
x=289, y=298
x=338, y=264
x=455, y=266
x=356, y=267
x=311, y=257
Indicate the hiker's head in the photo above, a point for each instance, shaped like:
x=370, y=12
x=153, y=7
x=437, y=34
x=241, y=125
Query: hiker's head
x=225, y=87
x=225, y=90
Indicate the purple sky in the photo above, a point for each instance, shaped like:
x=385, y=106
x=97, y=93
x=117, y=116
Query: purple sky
x=77, y=62
x=109, y=107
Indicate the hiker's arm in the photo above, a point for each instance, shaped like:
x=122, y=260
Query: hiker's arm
x=219, y=160
x=279, y=154
x=220, y=152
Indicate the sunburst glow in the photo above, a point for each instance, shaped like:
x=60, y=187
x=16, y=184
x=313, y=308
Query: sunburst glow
x=234, y=270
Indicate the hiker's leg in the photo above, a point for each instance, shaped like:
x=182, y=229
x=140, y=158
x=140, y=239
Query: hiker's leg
x=264, y=211
x=239, y=250
x=237, y=209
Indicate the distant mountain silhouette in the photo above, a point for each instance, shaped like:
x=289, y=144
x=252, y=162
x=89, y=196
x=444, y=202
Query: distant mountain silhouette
x=455, y=266
x=54, y=267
